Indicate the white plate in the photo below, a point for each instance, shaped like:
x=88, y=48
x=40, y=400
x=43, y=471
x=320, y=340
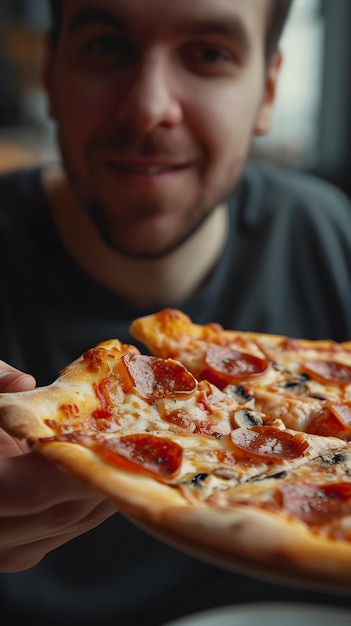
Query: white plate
x=268, y=614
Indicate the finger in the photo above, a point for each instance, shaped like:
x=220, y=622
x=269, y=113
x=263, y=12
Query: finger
x=10, y=447
x=30, y=484
x=12, y=380
x=19, y=558
x=76, y=517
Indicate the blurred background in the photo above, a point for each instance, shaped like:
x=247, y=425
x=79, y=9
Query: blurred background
x=312, y=123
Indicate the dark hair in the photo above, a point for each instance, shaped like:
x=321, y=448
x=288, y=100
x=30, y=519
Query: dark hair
x=279, y=11
x=55, y=11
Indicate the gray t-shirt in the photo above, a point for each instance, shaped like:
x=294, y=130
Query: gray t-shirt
x=286, y=268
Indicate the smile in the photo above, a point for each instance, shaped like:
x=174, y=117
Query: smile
x=138, y=169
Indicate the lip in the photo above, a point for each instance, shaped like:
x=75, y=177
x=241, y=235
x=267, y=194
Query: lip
x=145, y=172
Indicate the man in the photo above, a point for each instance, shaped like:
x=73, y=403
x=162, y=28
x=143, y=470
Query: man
x=156, y=105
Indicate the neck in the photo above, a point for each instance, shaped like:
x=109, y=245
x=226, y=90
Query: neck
x=140, y=282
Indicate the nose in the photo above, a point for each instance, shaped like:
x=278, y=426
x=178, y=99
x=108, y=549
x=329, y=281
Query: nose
x=149, y=99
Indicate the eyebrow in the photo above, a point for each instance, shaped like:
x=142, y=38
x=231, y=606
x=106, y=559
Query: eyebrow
x=228, y=26
x=90, y=15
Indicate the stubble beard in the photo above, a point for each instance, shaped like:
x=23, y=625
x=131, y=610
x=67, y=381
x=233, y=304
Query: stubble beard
x=95, y=211
x=96, y=214
x=198, y=216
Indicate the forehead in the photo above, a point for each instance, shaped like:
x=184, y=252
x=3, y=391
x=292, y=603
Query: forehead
x=246, y=18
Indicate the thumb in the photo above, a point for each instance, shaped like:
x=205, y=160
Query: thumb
x=13, y=380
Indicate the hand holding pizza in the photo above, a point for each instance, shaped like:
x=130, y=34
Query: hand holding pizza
x=235, y=447
x=40, y=507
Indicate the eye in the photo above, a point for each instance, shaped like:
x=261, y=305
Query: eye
x=110, y=49
x=212, y=55
x=207, y=58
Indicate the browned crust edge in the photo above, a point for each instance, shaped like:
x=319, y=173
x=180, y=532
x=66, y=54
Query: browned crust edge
x=171, y=324
x=22, y=414
x=237, y=538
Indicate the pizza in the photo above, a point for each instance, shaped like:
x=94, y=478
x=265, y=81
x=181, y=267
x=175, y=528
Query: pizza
x=232, y=446
x=305, y=383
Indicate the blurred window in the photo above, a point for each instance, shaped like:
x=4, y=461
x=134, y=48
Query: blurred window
x=293, y=138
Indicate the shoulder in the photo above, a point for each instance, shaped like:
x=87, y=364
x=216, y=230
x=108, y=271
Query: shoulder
x=20, y=193
x=18, y=183
x=294, y=186
x=290, y=196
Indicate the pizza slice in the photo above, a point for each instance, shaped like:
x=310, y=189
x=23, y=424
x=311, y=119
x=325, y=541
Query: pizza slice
x=119, y=404
x=290, y=378
x=171, y=333
x=167, y=448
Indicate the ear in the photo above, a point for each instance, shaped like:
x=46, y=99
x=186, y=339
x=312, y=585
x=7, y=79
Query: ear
x=264, y=117
x=47, y=76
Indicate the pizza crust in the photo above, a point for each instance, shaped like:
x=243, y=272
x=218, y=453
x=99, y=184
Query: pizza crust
x=25, y=414
x=22, y=416
x=174, y=324
x=130, y=492
x=261, y=542
x=240, y=538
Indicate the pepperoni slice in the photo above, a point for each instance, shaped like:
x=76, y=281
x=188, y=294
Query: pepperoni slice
x=328, y=371
x=138, y=452
x=156, y=378
x=269, y=442
x=158, y=455
x=334, y=420
x=109, y=392
x=343, y=412
x=232, y=366
x=315, y=504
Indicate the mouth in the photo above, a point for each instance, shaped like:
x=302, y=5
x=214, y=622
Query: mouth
x=145, y=169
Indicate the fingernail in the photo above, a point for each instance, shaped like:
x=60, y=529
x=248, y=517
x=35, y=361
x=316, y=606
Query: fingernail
x=8, y=374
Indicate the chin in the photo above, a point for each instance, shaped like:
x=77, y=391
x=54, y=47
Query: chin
x=142, y=253
x=146, y=243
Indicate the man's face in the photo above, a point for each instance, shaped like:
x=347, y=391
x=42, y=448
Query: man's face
x=156, y=103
